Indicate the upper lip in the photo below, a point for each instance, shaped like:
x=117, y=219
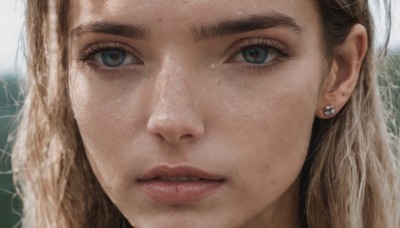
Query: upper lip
x=179, y=171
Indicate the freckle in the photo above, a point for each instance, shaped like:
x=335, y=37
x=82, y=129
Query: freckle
x=159, y=19
x=267, y=166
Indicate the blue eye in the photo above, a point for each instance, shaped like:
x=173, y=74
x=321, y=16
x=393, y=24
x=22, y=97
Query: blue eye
x=258, y=54
x=113, y=57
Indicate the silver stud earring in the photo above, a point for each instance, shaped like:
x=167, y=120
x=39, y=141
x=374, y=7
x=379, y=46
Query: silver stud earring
x=329, y=110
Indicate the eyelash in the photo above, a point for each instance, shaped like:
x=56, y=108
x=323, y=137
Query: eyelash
x=87, y=57
x=281, y=50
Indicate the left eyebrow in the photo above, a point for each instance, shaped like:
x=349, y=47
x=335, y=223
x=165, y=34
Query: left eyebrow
x=252, y=23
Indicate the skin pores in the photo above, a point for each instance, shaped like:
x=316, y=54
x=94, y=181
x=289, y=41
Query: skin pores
x=177, y=101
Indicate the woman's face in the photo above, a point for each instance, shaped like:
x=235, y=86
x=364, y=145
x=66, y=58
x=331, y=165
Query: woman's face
x=197, y=113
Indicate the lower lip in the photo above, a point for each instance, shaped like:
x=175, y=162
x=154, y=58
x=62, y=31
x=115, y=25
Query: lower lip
x=179, y=192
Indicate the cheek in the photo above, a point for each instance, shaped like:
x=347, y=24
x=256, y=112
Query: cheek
x=105, y=123
x=268, y=134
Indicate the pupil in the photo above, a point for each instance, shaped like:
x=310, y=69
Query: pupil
x=114, y=56
x=255, y=54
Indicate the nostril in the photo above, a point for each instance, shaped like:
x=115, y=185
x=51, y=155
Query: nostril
x=159, y=136
x=175, y=133
x=187, y=136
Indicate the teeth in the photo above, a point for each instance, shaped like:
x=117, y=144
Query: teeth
x=179, y=179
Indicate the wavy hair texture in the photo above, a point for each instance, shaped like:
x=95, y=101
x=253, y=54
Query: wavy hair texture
x=349, y=180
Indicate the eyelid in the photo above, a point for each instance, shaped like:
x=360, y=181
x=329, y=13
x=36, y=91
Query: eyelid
x=283, y=52
x=87, y=57
x=90, y=50
x=273, y=44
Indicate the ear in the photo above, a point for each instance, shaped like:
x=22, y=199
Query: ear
x=344, y=72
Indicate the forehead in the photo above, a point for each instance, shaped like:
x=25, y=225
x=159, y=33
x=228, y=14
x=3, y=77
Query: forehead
x=173, y=16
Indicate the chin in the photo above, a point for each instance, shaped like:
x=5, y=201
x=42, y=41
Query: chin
x=168, y=220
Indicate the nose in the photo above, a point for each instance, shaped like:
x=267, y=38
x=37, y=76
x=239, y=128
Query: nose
x=174, y=118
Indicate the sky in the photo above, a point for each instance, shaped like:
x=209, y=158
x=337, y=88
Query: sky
x=11, y=20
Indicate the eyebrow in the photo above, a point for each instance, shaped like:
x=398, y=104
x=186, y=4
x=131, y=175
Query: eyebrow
x=252, y=23
x=139, y=32
x=199, y=33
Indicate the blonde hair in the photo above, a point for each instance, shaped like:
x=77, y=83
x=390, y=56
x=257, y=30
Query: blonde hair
x=349, y=179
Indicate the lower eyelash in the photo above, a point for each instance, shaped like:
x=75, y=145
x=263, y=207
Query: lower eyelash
x=255, y=68
x=94, y=69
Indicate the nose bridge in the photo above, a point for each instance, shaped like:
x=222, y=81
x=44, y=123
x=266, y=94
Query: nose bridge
x=174, y=116
x=171, y=90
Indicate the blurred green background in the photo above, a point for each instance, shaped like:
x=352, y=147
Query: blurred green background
x=10, y=101
x=9, y=204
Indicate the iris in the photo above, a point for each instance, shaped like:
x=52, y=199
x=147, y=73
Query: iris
x=255, y=54
x=113, y=57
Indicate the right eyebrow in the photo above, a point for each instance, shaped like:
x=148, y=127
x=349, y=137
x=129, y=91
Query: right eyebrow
x=130, y=31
